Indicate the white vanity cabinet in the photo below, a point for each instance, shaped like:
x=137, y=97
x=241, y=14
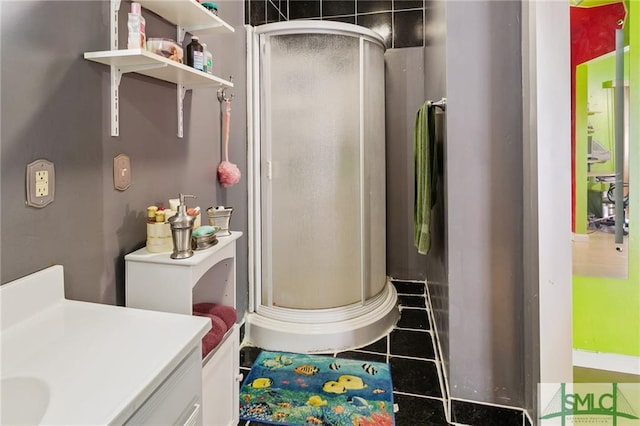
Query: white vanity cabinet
x=178, y=401
x=154, y=281
x=66, y=362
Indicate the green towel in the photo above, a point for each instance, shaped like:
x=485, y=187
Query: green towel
x=425, y=162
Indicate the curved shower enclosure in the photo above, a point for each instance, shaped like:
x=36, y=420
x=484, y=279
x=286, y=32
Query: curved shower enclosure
x=317, y=188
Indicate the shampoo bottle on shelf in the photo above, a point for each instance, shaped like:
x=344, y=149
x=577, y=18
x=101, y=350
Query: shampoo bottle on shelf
x=195, y=54
x=136, y=23
x=208, y=59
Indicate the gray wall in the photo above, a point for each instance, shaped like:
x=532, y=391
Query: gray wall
x=484, y=188
x=435, y=88
x=55, y=105
x=474, y=269
x=404, y=95
x=415, y=75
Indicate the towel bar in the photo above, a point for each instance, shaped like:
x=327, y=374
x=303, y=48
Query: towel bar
x=442, y=104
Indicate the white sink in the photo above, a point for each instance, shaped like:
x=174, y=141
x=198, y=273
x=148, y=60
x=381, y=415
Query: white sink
x=23, y=400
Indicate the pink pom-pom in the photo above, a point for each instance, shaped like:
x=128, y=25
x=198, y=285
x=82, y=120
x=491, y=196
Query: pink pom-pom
x=228, y=174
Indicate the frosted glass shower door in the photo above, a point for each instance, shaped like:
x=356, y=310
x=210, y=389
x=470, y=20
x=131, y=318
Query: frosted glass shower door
x=310, y=170
x=374, y=178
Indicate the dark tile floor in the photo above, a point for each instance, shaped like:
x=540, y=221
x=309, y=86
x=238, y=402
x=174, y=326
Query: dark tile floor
x=415, y=369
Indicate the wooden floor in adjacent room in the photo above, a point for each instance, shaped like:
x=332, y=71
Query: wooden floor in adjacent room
x=590, y=375
x=598, y=256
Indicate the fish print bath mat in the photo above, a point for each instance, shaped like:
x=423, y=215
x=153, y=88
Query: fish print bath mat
x=310, y=390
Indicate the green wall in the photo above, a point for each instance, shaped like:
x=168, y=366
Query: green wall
x=606, y=311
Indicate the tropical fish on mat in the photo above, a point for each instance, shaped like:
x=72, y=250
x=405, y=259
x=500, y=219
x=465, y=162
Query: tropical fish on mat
x=276, y=362
x=283, y=359
x=351, y=382
x=334, y=366
x=333, y=387
x=370, y=369
x=316, y=401
x=261, y=382
x=278, y=415
x=358, y=401
x=307, y=370
x=378, y=390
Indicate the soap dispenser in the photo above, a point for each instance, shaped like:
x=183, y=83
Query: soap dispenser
x=181, y=228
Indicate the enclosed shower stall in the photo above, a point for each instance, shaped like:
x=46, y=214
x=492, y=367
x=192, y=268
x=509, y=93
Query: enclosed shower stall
x=317, y=188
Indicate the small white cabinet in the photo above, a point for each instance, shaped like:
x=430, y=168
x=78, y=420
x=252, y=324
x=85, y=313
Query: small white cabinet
x=154, y=281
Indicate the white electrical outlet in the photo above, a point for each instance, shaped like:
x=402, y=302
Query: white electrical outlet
x=40, y=183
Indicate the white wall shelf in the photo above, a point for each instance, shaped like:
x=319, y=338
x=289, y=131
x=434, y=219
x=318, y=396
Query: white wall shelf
x=147, y=63
x=188, y=16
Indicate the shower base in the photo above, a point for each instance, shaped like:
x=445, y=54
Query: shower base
x=323, y=330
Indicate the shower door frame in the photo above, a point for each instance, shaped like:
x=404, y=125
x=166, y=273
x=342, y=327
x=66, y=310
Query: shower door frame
x=255, y=43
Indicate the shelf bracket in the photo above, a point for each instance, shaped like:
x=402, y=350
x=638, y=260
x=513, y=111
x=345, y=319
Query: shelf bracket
x=181, y=32
x=180, y=92
x=114, y=7
x=116, y=76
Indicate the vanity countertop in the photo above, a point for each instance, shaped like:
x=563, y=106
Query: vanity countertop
x=69, y=362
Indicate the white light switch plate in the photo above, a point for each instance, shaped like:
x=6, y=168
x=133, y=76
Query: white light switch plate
x=41, y=179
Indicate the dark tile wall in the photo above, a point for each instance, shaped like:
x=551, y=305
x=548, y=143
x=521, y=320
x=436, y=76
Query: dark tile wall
x=399, y=22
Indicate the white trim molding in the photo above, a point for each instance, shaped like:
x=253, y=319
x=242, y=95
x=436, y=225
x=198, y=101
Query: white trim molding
x=606, y=361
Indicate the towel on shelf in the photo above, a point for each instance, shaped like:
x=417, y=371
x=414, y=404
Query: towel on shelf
x=425, y=162
x=227, y=313
x=213, y=336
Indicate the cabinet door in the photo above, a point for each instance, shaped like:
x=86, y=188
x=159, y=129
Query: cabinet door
x=220, y=388
x=177, y=400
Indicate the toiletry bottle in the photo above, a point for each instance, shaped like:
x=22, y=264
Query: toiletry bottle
x=208, y=59
x=181, y=230
x=151, y=214
x=195, y=54
x=136, y=26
